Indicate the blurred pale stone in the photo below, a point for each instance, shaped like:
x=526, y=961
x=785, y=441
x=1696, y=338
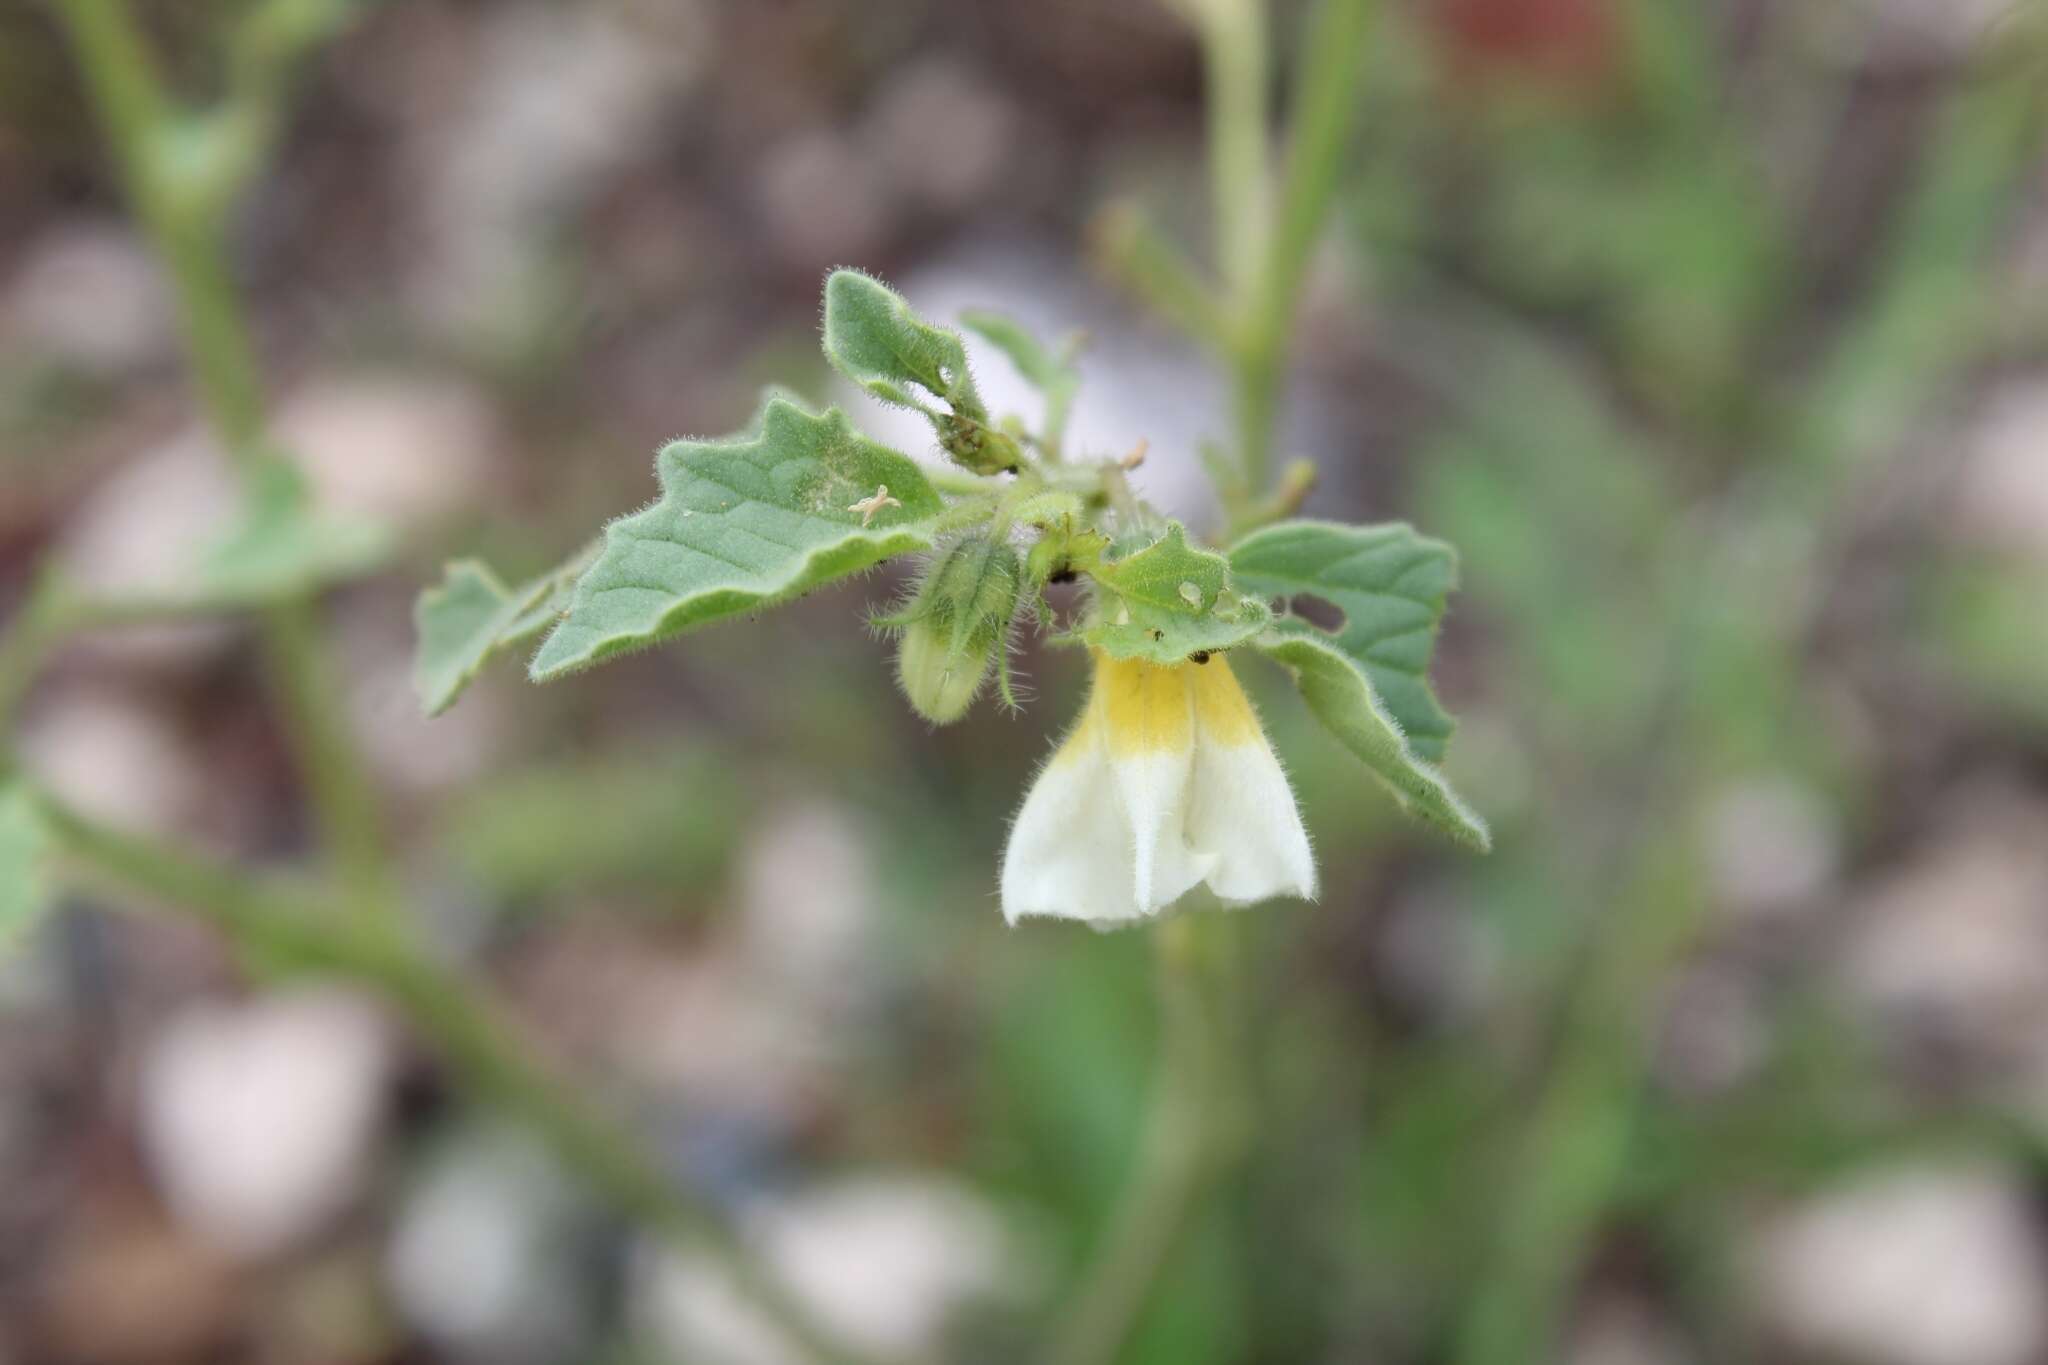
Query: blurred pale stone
x=2002, y=500
x=1957, y=941
x=1617, y=1329
x=1913, y=32
x=1912, y=1266
x=883, y=1259
x=561, y=100
x=148, y=523
x=1714, y=1034
x=715, y=1030
x=140, y=532
x=87, y=295
x=1772, y=846
x=823, y=200
x=259, y=1118
x=475, y=1259
x=407, y=750
x=114, y=757
x=806, y=886
x=401, y=452
x=941, y=133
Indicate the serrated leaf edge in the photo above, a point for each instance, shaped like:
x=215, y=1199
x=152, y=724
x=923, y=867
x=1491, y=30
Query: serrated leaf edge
x=1457, y=819
x=885, y=543
x=1434, y=607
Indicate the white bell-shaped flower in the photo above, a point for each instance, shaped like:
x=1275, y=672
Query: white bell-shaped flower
x=1167, y=781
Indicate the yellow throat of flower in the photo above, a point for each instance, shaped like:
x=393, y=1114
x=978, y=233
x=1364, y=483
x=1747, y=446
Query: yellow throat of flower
x=1148, y=708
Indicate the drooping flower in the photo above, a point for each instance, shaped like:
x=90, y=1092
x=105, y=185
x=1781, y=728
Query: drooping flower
x=1165, y=782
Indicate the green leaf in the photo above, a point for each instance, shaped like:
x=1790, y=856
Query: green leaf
x=283, y=547
x=1041, y=368
x=1052, y=374
x=873, y=338
x=1170, y=600
x=24, y=891
x=1389, y=582
x=471, y=616
x=741, y=523
x=1342, y=698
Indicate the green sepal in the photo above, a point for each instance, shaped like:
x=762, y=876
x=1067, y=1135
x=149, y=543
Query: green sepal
x=1341, y=696
x=24, y=852
x=1389, y=582
x=741, y=523
x=956, y=626
x=1168, y=601
x=471, y=615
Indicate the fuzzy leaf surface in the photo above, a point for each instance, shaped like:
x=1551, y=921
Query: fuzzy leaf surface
x=470, y=616
x=1170, y=600
x=873, y=338
x=1389, y=582
x=741, y=523
x=1343, y=699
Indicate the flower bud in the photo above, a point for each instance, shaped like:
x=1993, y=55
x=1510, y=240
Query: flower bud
x=956, y=626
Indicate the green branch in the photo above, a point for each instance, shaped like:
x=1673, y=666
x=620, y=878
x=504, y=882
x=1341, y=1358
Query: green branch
x=303, y=926
x=1319, y=130
x=1193, y=1135
x=182, y=202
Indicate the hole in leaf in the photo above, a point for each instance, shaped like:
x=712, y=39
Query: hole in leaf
x=1319, y=612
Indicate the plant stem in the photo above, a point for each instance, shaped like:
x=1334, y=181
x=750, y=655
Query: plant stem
x=299, y=925
x=1326, y=98
x=1235, y=65
x=36, y=629
x=180, y=196
x=1190, y=1141
x=338, y=787
x=1925, y=319
x=182, y=205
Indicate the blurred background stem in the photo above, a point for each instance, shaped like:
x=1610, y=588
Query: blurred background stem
x=1195, y=1132
x=1925, y=321
x=182, y=171
x=183, y=200
x=1266, y=228
x=295, y=926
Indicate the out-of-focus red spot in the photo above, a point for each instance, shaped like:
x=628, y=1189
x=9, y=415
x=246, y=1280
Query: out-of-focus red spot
x=1572, y=44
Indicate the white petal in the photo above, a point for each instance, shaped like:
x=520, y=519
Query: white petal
x=1242, y=811
x=1243, y=815
x=1153, y=787
x=1070, y=848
